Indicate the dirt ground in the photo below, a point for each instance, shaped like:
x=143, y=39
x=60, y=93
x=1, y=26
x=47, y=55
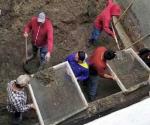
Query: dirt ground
x=72, y=22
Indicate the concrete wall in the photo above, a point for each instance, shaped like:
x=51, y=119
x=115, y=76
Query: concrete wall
x=137, y=19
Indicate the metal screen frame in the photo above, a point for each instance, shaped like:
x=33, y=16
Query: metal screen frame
x=41, y=121
x=120, y=84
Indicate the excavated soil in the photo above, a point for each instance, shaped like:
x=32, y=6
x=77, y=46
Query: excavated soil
x=72, y=22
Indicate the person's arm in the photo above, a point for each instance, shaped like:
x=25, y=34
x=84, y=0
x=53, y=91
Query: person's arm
x=105, y=75
x=20, y=107
x=102, y=73
x=49, y=40
x=50, y=36
x=106, y=27
x=108, y=76
x=70, y=58
x=28, y=28
x=84, y=75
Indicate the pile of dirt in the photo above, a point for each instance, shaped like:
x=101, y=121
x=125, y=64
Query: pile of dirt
x=46, y=76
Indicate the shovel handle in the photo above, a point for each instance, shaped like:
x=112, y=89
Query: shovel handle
x=26, y=48
x=115, y=37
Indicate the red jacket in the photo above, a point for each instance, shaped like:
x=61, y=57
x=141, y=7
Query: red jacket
x=102, y=21
x=97, y=60
x=42, y=35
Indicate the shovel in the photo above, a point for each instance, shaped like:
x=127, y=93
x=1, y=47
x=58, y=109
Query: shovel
x=26, y=49
x=118, y=53
x=26, y=55
x=115, y=37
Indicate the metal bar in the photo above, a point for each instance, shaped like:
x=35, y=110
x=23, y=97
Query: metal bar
x=36, y=105
x=59, y=65
x=76, y=83
x=138, y=58
x=66, y=64
x=117, y=79
x=73, y=78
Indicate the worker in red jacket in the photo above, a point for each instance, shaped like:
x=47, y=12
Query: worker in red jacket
x=103, y=20
x=42, y=36
x=97, y=68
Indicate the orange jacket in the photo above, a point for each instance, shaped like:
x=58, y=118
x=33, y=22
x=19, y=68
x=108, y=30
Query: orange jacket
x=97, y=60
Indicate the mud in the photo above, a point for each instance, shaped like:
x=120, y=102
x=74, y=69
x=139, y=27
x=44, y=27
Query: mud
x=46, y=76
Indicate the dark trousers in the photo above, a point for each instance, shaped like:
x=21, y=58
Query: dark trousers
x=91, y=83
x=43, y=52
x=95, y=35
x=16, y=118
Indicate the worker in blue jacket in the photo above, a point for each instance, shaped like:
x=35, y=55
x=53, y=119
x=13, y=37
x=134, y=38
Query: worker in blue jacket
x=79, y=65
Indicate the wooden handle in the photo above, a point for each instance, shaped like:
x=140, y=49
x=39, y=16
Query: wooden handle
x=26, y=48
x=115, y=37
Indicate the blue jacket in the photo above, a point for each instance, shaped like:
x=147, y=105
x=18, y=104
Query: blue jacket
x=81, y=71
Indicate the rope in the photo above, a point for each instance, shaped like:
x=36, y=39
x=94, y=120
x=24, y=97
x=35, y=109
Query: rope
x=131, y=3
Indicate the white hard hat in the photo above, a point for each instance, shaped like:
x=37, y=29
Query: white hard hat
x=23, y=80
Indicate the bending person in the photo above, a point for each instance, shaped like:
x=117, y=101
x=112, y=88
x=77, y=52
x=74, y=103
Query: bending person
x=102, y=21
x=97, y=68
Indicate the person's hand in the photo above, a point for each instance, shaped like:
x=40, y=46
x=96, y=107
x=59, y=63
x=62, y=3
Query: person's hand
x=33, y=106
x=47, y=57
x=113, y=35
x=32, y=75
x=113, y=77
x=25, y=34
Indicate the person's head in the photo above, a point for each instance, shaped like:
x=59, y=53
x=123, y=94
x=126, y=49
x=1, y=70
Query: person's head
x=22, y=81
x=41, y=17
x=109, y=55
x=115, y=10
x=145, y=55
x=144, y=51
x=80, y=56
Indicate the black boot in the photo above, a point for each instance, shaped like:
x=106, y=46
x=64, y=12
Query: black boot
x=91, y=98
x=17, y=118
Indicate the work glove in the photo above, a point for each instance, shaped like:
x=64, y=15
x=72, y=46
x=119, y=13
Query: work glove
x=25, y=34
x=47, y=57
